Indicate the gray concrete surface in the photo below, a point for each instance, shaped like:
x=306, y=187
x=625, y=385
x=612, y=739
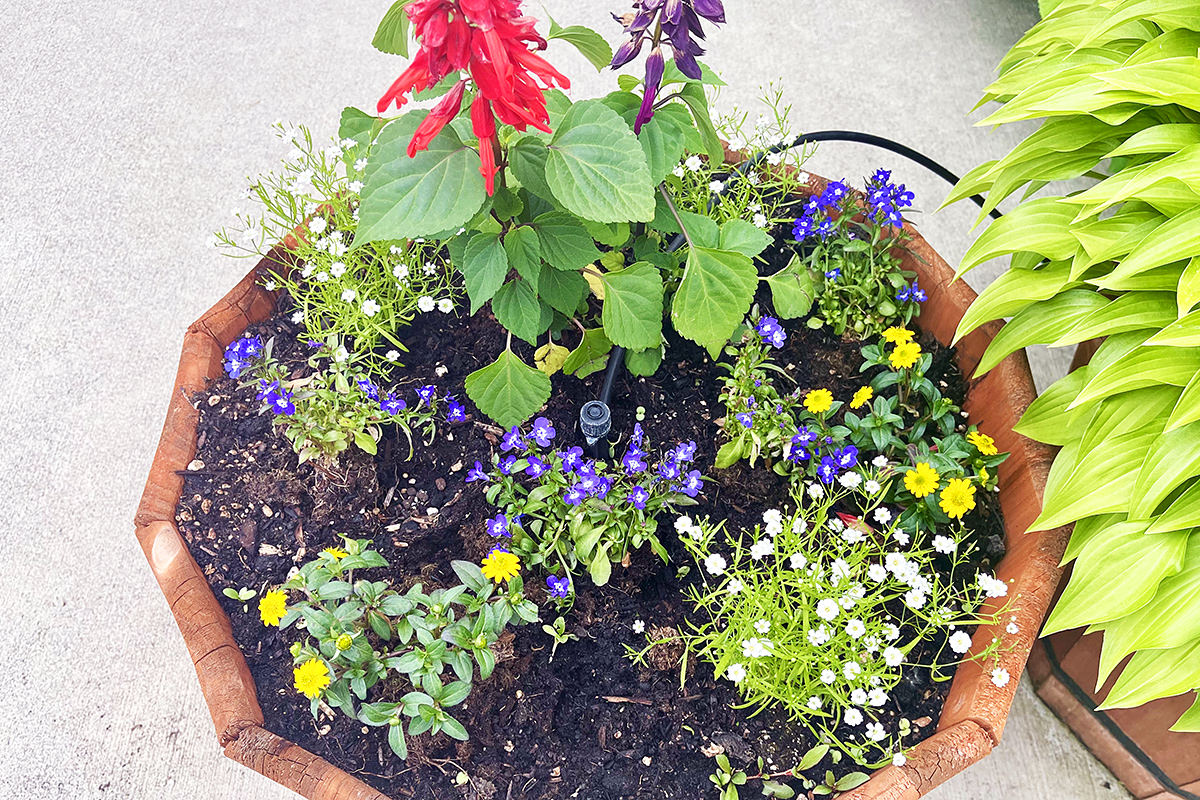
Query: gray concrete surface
x=125, y=132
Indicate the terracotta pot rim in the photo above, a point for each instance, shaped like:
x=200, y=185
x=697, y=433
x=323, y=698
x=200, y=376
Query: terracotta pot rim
x=972, y=719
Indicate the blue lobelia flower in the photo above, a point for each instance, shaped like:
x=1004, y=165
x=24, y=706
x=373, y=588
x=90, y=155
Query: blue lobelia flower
x=693, y=482
x=634, y=460
x=370, y=389
x=771, y=332
x=560, y=588
x=426, y=393
x=746, y=418
x=536, y=468
x=603, y=486
x=507, y=465
x=476, y=473
x=542, y=432
x=805, y=436
x=685, y=452
x=635, y=439
x=637, y=497
x=392, y=404
x=834, y=273
x=575, y=494
x=668, y=470
x=803, y=228
x=846, y=457
x=587, y=481
x=513, y=440
x=918, y=294
x=798, y=454
x=497, y=526
x=827, y=470
x=454, y=412
x=572, y=459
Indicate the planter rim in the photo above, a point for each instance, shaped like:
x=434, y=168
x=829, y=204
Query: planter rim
x=972, y=720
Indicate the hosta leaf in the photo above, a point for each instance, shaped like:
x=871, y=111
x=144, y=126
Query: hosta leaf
x=1188, y=293
x=1189, y=722
x=1151, y=674
x=1129, y=411
x=565, y=242
x=1085, y=531
x=1160, y=279
x=1134, y=182
x=438, y=189
x=633, y=306
x=1184, y=512
x=1129, y=312
x=1144, y=367
x=1170, y=80
x=1171, y=617
x=714, y=296
x=1013, y=291
x=1166, y=138
x=1047, y=419
x=1187, y=409
x=1170, y=241
x=484, y=267
x=1040, y=226
x=596, y=168
x=1171, y=461
x=508, y=390
x=1040, y=323
x=1183, y=332
x=517, y=308
x=1117, y=573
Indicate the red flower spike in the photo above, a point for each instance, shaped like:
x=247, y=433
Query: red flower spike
x=446, y=110
x=491, y=41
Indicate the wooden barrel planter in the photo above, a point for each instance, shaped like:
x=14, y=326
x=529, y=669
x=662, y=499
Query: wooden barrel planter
x=972, y=721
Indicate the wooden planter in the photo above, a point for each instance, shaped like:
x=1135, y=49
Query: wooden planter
x=972, y=721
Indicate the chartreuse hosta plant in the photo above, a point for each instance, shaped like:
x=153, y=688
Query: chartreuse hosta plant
x=900, y=416
x=1116, y=86
x=816, y=612
x=563, y=511
x=360, y=635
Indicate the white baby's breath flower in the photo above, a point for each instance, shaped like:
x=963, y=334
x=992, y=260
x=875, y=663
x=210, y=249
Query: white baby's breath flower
x=872, y=487
x=914, y=599
x=828, y=609
x=851, y=480
x=360, y=164
x=370, y=307
x=839, y=570
x=877, y=697
x=1000, y=676
x=851, y=670
x=716, y=187
x=855, y=628
x=683, y=524
x=892, y=656
x=816, y=491
x=307, y=271
x=882, y=515
x=847, y=602
x=877, y=573
x=859, y=697
x=773, y=521
x=799, y=525
x=835, y=524
x=892, y=632
x=734, y=586
x=899, y=760
x=960, y=642
x=322, y=277
x=900, y=536
x=715, y=564
x=317, y=225
x=445, y=305
x=828, y=676
x=341, y=354
x=762, y=548
x=693, y=163
x=348, y=295
x=818, y=636
x=852, y=717
x=735, y=673
x=297, y=317
x=400, y=272
x=875, y=732
x=763, y=626
x=992, y=587
x=880, y=461
x=944, y=544
x=753, y=178
x=1012, y=628
x=639, y=626
x=678, y=172
x=392, y=355
x=814, y=703
x=853, y=534
x=430, y=268
x=774, y=159
x=797, y=561
x=761, y=221
x=755, y=647
x=426, y=303
x=355, y=187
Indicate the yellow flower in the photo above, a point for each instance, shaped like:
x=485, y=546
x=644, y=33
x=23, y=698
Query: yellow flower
x=984, y=475
x=336, y=553
x=862, y=397
x=921, y=481
x=985, y=444
x=344, y=641
x=272, y=606
x=905, y=355
x=500, y=565
x=311, y=678
x=818, y=401
x=897, y=335
x=958, y=497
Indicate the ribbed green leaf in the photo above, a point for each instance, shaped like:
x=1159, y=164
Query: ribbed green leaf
x=1013, y=291
x=1116, y=573
x=1129, y=312
x=1187, y=409
x=1189, y=722
x=1086, y=530
x=1129, y=411
x=1184, y=512
x=1041, y=226
x=1166, y=138
x=508, y=390
x=1170, y=80
x=1183, y=332
x=1166, y=14
x=1188, y=293
x=1171, y=461
x=1159, y=279
x=1112, y=237
x=1047, y=419
x=1182, y=167
x=1175, y=239
x=1151, y=674
x=1042, y=323
x=633, y=306
x=1146, y=366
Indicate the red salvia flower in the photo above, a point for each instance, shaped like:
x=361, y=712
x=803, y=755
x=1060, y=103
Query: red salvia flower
x=491, y=41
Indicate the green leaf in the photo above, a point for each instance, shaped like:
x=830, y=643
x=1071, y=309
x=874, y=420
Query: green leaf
x=591, y=44
x=1047, y=418
x=517, y=308
x=508, y=390
x=595, y=167
x=1183, y=332
x=392, y=34
x=792, y=290
x=743, y=237
x=1187, y=408
x=563, y=291
x=359, y=126
x=590, y=356
x=644, y=363
x=524, y=253
x=1040, y=323
x=1014, y=291
x=1172, y=460
x=439, y=189
x=396, y=741
x=1039, y=226
x=714, y=296
x=600, y=568
x=697, y=103
x=1189, y=722
x=1176, y=239
x=565, y=242
x=633, y=306
x=1117, y=572
x=664, y=139
x=1145, y=366
x=484, y=267
x=1129, y=312
x=527, y=160
x=851, y=781
x=1156, y=673
x=365, y=442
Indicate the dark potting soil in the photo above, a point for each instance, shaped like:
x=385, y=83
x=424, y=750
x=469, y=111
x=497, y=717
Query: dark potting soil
x=589, y=723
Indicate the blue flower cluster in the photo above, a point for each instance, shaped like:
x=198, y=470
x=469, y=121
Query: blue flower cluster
x=887, y=200
x=559, y=588
x=771, y=332
x=393, y=405
x=807, y=445
x=816, y=220
x=241, y=354
x=276, y=397
x=912, y=293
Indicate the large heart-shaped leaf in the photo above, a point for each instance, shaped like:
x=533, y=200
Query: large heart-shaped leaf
x=565, y=242
x=508, y=390
x=714, y=296
x=517, y=308
x=633, y=306
x=484, y=266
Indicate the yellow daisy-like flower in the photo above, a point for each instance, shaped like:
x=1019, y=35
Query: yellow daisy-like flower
x=922, y=480
x=905, y=355
x=958, y=497
x=897, y=335
x=311, y=678
x=272, y=606
x=818, y=401
x=336, y=553
x=985, y=444
x=862, y=397
x=500, y=565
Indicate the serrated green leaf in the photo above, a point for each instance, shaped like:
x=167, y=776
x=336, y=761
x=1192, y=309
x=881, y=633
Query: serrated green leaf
x=524, y=253
x=644, y=363
x=484, y=266
x=439, y=189
x=392, y=34
x=743, y=237
x=589, y=43
x=714, y=296
x=565, y=242
x=590, y=356
x=596, y=168
x=527, y=160
x=517, y=308
x=633, y=306
x=508, y=390
x=359, y=126
x=562, y=291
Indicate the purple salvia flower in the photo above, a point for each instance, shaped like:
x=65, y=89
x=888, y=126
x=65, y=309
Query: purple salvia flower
x=653, y=81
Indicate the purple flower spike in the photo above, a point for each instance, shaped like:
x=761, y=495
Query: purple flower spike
x=711, y=10
x=654, y=74
x=627, y=52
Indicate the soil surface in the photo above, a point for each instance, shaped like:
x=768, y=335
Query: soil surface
x=589, y=724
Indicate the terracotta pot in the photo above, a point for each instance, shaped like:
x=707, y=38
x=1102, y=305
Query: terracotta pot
x=972, y=721
x=1153, y=762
